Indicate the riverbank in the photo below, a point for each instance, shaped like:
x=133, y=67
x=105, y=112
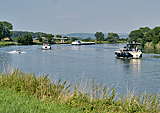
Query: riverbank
x=106, y=42
x=7, y=43
x=150, y=45
x=99, y=98
x=13, y=102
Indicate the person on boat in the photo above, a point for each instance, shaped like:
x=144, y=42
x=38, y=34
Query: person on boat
x=136, y=49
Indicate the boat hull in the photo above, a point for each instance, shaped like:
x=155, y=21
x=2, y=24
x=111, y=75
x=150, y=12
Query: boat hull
x=82, y=43
x=46, y=47
x=128, y=54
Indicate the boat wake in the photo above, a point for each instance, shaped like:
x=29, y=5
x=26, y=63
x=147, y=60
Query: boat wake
x=13, y=52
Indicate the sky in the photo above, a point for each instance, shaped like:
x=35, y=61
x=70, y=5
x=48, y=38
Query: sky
x=80, y=16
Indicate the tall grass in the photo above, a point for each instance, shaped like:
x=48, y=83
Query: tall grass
x=99, y=98
x=149, y=45
x=12, y=102
x=158, y=46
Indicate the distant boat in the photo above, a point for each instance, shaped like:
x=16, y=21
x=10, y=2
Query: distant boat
x=79, y=42
x=46, y=46
x=129, y=51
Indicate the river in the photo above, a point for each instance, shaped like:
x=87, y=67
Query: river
x=73, y=62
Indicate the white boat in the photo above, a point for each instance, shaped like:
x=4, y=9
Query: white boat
x=46, y=46
x=129, y=51
x=79, y=42
x=76, y=42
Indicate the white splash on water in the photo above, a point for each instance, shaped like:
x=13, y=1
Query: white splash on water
x=13, y=52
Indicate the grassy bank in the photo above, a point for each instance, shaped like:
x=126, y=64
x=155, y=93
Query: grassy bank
x=150, y=45
x=14, y=43
x=7, y=43
x=106, y=42
x=99, y=98
x=13, y=102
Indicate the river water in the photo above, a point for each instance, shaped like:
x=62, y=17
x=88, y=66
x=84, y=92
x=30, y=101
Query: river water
x=73, y=62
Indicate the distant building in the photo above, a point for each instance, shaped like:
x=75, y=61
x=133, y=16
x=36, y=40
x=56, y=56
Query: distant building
x=7, y=39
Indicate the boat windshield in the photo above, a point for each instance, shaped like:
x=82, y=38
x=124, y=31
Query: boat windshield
x=132, y=46
x=46, y=44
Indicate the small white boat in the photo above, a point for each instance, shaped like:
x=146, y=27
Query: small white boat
x=78, y=42
x=129, y=51
x=46, y=46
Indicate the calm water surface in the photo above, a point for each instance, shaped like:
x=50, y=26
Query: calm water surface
x=71, y=62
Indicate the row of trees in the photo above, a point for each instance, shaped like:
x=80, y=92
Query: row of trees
x=142, y=35
x=111, y=37
x=145, y=34
x=27, y=39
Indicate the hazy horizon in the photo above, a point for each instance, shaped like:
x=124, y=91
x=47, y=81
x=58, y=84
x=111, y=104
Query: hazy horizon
x=80, y=16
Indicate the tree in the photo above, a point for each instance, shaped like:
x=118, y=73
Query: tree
x=155, y=40
x=58, y=36
x=39, y=37
x=112, y=37
x=148, y=36
x=74, y=38
x=134, y=35
x=156, y=30
x=144, y=29
x=20, y=39
x=99, y=36
x=49, y=37
x=28, y=39
x=5, y=28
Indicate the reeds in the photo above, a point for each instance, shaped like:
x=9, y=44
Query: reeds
x=99, y=98
x=29, y=84
x=149, y=45
x=158, y=46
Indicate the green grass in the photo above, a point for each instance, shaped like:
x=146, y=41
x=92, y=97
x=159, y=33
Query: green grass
x=6, y=43
x=12, y=102
x=98, y=98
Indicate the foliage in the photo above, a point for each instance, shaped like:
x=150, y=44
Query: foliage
x=20, y=40
x=134, y=35
x=99, y=98
x=88, y=40
x=39, y=37
x=58, y=36
x=74, y=38
x=27, y=39
x=112, y=37
x=23, y=33
x=49, y=37
x=5, y=28
x=144, y=35
x=99, y=36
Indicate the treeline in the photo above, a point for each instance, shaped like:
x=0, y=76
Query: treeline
x=27, y=39
x=149, y=38
x=145, y=35
x=23, y=33
x=111, y=37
